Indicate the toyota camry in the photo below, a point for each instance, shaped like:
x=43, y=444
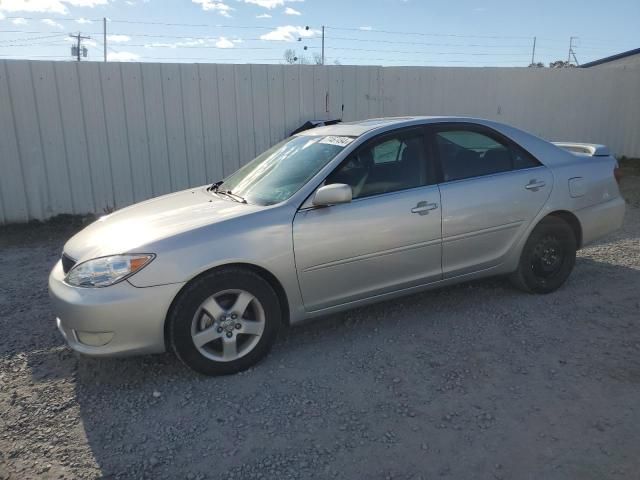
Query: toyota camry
x=331, y=219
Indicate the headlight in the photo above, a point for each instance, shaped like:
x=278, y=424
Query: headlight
x=105, y=271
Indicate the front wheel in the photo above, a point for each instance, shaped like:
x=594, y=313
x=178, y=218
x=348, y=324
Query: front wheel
x=547, y=258
x=224, y=322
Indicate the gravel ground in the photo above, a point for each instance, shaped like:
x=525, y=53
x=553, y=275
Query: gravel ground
x=474, y=381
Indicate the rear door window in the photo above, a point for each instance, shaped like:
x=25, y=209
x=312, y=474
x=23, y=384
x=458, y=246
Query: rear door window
x=467, y=153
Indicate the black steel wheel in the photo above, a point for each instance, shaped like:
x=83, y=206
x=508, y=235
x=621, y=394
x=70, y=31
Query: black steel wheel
x=547, y=258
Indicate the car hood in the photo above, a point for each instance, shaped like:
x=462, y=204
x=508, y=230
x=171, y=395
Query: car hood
x=134, y=227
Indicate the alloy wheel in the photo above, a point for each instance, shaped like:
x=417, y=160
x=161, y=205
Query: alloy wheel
x=228, y=325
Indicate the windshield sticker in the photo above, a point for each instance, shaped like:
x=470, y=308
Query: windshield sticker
x=334, y=140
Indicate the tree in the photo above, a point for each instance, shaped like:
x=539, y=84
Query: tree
x=290, y=56
x=556, y=64
x=561, y=64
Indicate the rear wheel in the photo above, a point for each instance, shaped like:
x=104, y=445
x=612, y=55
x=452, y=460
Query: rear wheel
x=547, y=258
x=224, y=322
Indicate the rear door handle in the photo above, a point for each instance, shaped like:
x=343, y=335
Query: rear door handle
x=423, y=208
x=534, y=185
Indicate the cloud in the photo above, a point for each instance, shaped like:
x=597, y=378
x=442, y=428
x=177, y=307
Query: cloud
x=51, y=23
x=118, y=38
x=220, y=7
x=83, y=20
x=1, y=16
x=289, y=33
x=224, y=43
x=47, y=6
x=86, y=43
x=270, y=4
x=85, y=3
x=211, y=42
x=186, y=43
x=291, y=11
x=122, y=56
x=263, y=15
x=365, y=28
x=19, y=21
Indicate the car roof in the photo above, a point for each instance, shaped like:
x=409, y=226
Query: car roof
x=543, y=150
x=360, y=127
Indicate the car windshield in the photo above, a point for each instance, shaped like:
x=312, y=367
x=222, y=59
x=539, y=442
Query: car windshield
x=282, y=170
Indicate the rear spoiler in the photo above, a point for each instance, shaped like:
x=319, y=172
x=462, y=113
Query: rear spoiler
x=589, y=149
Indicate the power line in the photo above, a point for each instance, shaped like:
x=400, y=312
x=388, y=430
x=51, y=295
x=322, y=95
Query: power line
x=213, y=59
x=173, y=47
x=312, y=39
x=35, y=44
x=431, y=44
x=25, y=39
x=164, y=24
x=264, y=27
x=38, y=31
x=430, y=53
x=195, y=25
x=411, y=62
x=423, y=34
x=36, y=56
x=61, y=19
x=391, y=42
x=109, y=47
x=589, y=46
x=477, y=49
x=455, y=35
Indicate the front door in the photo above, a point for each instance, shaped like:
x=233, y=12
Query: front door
x=387, y=238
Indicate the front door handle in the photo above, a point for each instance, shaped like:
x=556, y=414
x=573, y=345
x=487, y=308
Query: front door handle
x=423, y=208
x=534, y=185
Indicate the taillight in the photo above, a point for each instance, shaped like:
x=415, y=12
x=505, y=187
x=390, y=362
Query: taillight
x=617, y=174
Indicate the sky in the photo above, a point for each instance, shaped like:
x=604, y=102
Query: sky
x=357, y=32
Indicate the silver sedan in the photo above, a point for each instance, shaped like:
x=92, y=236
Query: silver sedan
x=330, y=219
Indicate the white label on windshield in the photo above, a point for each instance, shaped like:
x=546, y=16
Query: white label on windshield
x=339, y=141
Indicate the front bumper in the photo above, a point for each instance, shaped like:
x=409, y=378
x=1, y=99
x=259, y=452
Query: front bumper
x=111, y=321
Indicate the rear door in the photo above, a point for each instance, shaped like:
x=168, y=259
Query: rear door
x=491, y=190
x=387, y=238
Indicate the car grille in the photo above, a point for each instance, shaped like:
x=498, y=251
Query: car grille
x=67, y=263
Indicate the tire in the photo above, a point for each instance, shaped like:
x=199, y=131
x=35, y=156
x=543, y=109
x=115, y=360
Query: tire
x=221, y=308
x=547, y=258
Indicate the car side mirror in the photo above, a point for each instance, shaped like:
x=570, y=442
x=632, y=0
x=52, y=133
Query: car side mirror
x=332, y=195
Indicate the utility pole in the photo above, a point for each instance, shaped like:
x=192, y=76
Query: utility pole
x=533, y=52
x=104, y=36
x=571, y=39
x=575, y=59
x=322, y=44
x=76, y=50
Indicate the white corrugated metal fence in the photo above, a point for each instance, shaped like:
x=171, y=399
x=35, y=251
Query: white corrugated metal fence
x=90, y=137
